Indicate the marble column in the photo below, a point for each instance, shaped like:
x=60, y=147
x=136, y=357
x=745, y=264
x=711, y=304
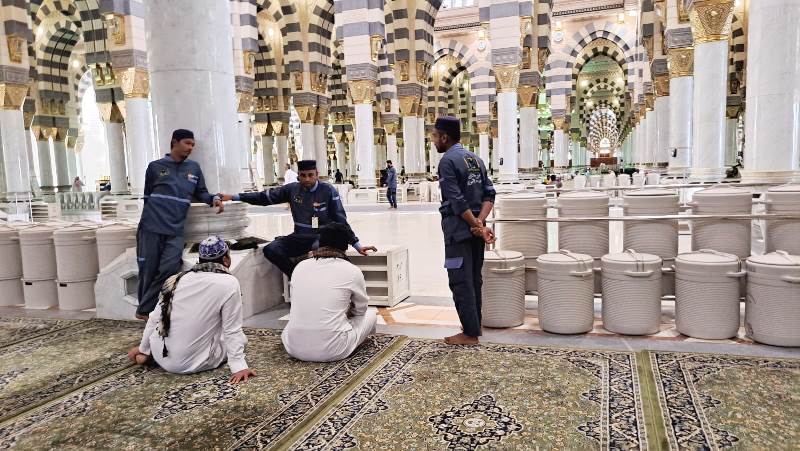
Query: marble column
x=561, y=144
x=352, y=157
x=135, y=83
x=72, y=160
x=363, y=94
x=772, y=127
x=268, y=158
x=711, y=27
x=731, y=148
x=507, y=81
x=15, y=141
x=245, y=144
x=281, y=148
x=341, y=157
x=391, y=142
x=433, y=158
x=483, y=142
x=681, y=89
x=34, y=180
x=528, y=138
x=652, y=137
x=62, y=180
x=45, y=162
x=308, y=138
x=116, y=157
x=321, y=144
x=191, y=58
x=662, y=112
x=495, y=155
x=422, y=165
x=410, y=130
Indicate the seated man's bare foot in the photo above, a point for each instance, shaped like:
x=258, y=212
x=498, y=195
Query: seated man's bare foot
x=142, y=317
x=461, y=339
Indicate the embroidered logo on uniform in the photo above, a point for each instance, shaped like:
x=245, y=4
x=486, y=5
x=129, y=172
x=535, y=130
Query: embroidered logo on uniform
x=473, y=179
x=163, y=172
x=472, y=165
x=298, y=199
x=191, y=177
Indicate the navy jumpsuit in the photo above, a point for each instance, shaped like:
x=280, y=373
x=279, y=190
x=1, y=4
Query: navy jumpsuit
x=321, y=202
x=465, y=185
x=169, y=188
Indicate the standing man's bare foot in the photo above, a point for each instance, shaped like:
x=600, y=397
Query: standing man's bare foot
x=461, y=339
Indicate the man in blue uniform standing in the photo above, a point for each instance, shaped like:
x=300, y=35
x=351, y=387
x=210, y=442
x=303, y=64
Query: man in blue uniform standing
x=391, y=184
x=467, y=200
x=170, y=185
x=313, y=204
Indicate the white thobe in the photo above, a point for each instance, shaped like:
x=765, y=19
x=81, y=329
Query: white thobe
x=323, y=290
x=206, y=326
x=289, y=177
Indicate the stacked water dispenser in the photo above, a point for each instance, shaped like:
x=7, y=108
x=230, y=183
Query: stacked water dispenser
x=585, y=237
x=10, y=267
x=528, y=238
x=77, y=266
x=39, y=265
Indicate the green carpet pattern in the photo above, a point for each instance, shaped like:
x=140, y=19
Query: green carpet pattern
x=727, y=402
x=68, y=385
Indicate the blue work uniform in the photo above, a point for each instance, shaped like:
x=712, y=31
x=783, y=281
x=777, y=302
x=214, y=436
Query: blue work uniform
x=169, y=189
x=311, y=210
x=465, y=186
x=391, y=186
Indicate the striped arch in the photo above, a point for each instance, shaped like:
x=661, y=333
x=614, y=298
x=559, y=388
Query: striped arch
x=479, y=70
x=737, y=56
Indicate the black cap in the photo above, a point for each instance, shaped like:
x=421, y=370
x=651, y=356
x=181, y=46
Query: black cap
x=449, y=125
x=334, y=235
x=388, y=161
x=181, y=133
x=306, y=165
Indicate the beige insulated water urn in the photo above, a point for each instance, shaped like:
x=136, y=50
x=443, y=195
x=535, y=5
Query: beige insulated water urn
x=112, y=240
x=503, y=289
x=77, y=266
x=529, y=238
x=724, y=235
x=566, y=292
x=39, y=265
x=591, y=237
x=10, y=267
x=783, y=234
x=772, y=312
x=631, y=293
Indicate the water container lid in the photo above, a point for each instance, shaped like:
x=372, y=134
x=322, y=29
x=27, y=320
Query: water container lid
x=527, y=195
x=499, y=255
x=6, y=231
x=565, y=258
x=78, y=227
x=779, y=259
x=788, y=188
x=116, y=227
x=719, y=191
x=706, y=257
x=584, y=195
x=38, y=231
x=631, y=257
x=650, y=192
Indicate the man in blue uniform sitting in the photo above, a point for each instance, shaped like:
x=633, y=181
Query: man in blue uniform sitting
x=313, y=205
x=467, y=200
x=170, y=185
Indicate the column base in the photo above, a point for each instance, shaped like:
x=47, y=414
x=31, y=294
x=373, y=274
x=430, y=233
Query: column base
x=769, y=176
x=707, y=175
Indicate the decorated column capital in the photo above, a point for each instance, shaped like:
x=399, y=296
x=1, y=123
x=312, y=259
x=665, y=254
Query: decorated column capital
x=280, y=128
x=260, y=128
x=681, y=62
x=528, y=96
x=483, y=128
x=135, y=82
x=732, y=111
x=321, y=116
x=661, y=85
x=12, y=95
x=711, y=20
x=306, y=113
x=408, y=105
x=362, y=91
x=244, y=102
x=110, y=113
x=507, y=77
x=390, y=128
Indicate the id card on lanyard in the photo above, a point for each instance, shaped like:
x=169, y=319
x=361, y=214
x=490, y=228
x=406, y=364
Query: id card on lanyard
x=314, y=222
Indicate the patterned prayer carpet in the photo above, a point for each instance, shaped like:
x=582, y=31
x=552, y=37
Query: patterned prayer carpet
x=149, y=408
x=714, y=401
x=432, y=396
x=13, y=330
x=47, y=365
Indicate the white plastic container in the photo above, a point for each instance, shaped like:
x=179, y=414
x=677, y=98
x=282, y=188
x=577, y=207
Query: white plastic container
x=566, y=292
x=40, y=294
x=10, y=267
x=783, y=234
x=657, y=237
x=772, y=312
x=112, y=240
x=76, y=253
x=77, y=295
x=528, y=238
x=723, y=235
x=583, y=237
x=631, y=293
x=707, y=292
x=503, y=289
x=38, y=252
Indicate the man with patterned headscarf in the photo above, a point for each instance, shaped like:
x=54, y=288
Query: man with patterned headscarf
x=197, y=323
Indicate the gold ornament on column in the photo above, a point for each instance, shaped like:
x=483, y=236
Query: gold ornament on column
x=526, y=58
x=27, y=119
x=649, y=101
x=134, y=82
x=661, y=85
x=362, y=91
x=249, y=61
x=507, y=77
x=244, y=101
x=390, y=128
x=297, y=78
x=260, y=128
x=280, y=128
x=483, y=128
x=349, y=136
x=402, y=67
x=494, y=131
x=321, y=116
x=306, y=113
x=527, y=96
x=423, y=68
x=732, y=111
x=711, y=20
x=16, y=48
x=375, y=44
x=558, y=123
x=115, y=23
x=110, y=113
x=681, y=62
x=12, y=95
x=319, y=82
x=407, y=105
x=648, y=43
x=541, y=58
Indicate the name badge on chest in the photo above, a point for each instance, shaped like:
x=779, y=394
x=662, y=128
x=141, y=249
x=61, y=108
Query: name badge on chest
x=314, y=222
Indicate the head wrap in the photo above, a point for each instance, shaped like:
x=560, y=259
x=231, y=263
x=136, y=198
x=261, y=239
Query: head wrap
x=180, y=134
x=306, y=165
x=334, y=235
x=213, y=248
x=388, y=161
x=450, y=126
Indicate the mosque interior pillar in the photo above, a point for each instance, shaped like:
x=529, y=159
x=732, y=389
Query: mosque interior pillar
x=507, y=77
x=13, y=136
x=363, y=94
x=62, y=180
x=681, y=89
x=652, y=131
x=191, y=67
x=561, y=143
x=410, y=131
x=321, y=142
x=72, y=159
x=115, y=139
x=420, y=143
x=267, y=152
x=43, y=153
x=352, y=158
x=529, y=128
x=341, y=155
x=308, y=134
x=391, y=142
x=281, y=147
x=244, y=125
x=662, y=112
x=711, y=27
x=772, y=128
x=731, y=130
x=135, y=83
x=483, y=142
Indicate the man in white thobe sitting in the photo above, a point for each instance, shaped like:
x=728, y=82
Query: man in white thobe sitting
x=329, y=317
x=197, y=323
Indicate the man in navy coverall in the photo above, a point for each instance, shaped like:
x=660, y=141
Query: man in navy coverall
x=170, y=185
x=467, y=200
x=313, y=203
